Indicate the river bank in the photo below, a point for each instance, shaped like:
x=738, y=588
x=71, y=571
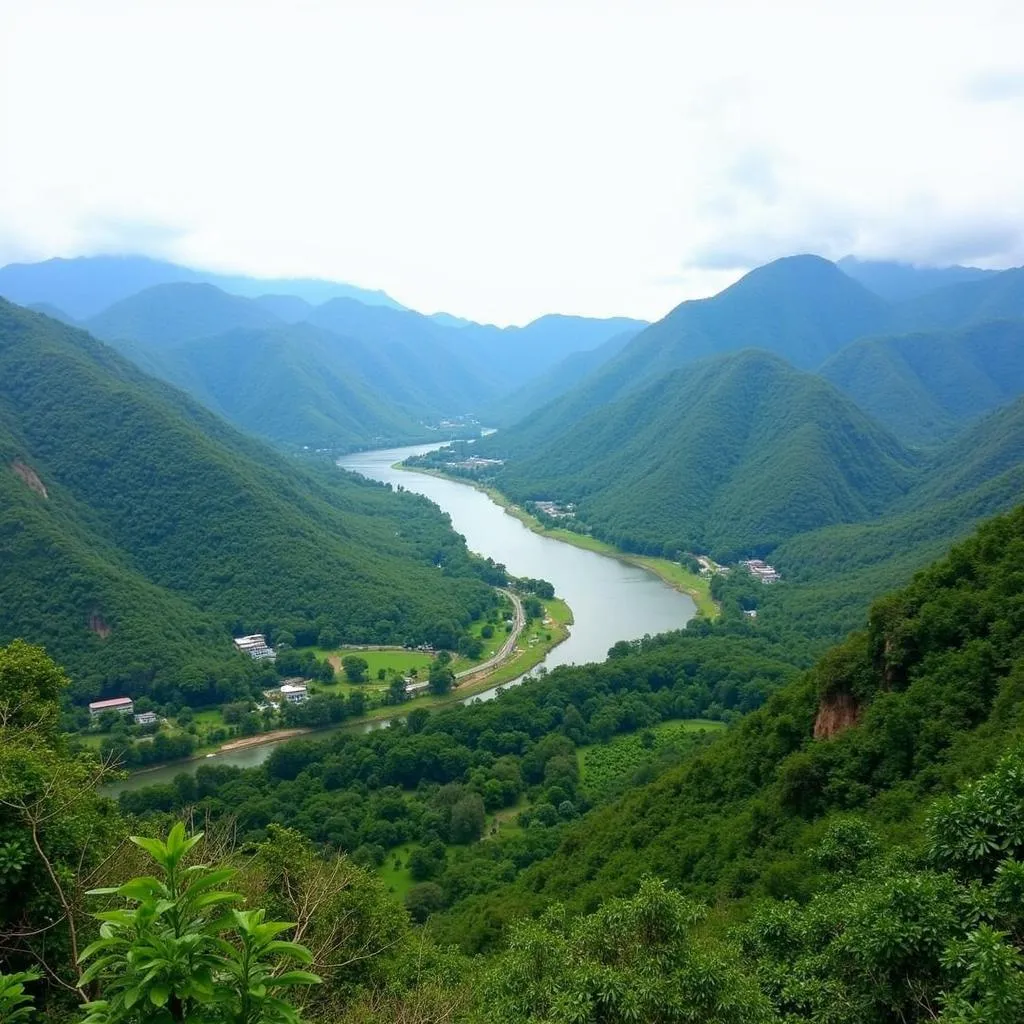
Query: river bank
x=693, y=585
x=480, y=683
x=612, y=599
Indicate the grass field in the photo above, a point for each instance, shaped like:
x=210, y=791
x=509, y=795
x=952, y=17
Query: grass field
x=397, y=879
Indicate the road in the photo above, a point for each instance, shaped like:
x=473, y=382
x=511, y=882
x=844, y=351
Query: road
x=518, y=624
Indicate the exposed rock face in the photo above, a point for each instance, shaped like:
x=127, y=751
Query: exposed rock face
x=99, y=626
x=29, y=475
x=835, y=714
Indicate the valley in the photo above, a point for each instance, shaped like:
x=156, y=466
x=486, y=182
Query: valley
x=703, y=626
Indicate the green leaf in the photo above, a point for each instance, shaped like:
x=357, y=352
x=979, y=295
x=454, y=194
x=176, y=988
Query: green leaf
x=295, y=978
x=159, y=993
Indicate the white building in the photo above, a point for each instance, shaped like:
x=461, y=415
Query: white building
x=294, y=693
x=122, y=705
x=146, y=718
x=255, y=646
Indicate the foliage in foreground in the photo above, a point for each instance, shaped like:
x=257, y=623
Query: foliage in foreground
x=185, y=952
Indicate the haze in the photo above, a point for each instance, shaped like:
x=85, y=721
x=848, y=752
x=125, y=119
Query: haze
x=503, y=160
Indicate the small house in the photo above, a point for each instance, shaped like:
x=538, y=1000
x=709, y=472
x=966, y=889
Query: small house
x=146, y=718
x=294, y=693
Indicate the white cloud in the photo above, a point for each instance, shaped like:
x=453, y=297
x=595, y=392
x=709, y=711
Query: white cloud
x=500, y=160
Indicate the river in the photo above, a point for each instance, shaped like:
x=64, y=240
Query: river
x=610, y=600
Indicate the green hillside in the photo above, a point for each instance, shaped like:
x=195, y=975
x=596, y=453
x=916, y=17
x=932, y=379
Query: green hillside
x=924, y=387
x=923, y=700
x=295, y=385
x=731, y=455
x=169, y=314
x=802, y=308
x=997, y=297
x=161, y=523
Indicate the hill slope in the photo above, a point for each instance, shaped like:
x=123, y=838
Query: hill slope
x=169, y=314
x=295, y=385
x=927, y=697
x=553, y=383
x=129, y=509
x=998, y=297
x=802, y=308
x=730, y=455
x=924, y=387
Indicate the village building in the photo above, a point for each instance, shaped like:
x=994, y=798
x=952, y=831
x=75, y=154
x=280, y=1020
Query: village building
x=555, y=510
x=146, y=718
x=761, y=570
x=255, y=646
x=294, y=692
x=122, y=705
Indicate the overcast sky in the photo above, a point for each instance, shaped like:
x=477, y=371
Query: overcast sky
x=500, y=160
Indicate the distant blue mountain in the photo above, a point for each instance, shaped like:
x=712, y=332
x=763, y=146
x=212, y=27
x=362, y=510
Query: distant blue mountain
x=85, y=285
x=898, y=281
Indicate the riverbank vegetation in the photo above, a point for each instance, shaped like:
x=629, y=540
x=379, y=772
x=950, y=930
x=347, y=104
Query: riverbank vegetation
x=679, y=572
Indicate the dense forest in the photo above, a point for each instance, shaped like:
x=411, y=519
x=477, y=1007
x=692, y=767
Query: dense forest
x=730, y=455
x=146, y=532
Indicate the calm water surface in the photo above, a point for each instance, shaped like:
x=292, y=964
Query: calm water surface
x=610, y=600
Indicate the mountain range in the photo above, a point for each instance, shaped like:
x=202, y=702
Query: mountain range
x=865, y=450
x=339, y=374
x=86, y=285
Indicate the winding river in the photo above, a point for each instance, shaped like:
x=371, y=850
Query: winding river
x=610, y=600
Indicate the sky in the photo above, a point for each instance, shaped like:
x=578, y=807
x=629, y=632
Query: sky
x=500, y=160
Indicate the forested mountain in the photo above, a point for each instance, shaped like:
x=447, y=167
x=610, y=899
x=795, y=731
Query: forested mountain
x=299, y=386
x=802, y=308
x=500, y=359
x=998, y=297
x=342, y=374
x=730, y=455
x=555, y=382
x=926, y=386
x=170, y=314
x=433, y=360
x=85, y=285
x=298, y=383
x=897, y=281
x=139, y=531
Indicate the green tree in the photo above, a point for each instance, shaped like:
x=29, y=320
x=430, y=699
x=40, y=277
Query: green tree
x=468, y=817
x=423, y=900
x=441, y=679
x=181, y=952
x=355, y=668
x=632, y=960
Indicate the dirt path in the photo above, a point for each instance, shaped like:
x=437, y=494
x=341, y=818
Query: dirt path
x=256, y=741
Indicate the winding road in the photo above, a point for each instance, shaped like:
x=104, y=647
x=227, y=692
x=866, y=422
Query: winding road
x=518, y=624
